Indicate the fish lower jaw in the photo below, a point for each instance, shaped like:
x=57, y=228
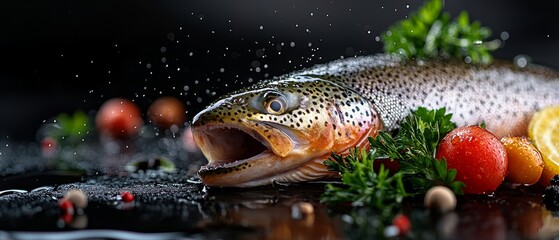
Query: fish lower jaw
x=250, y=174
x=217, y=164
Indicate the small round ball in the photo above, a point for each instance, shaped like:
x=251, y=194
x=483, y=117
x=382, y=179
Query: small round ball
x=306, y=208
x=119, y=118
x=77, y=197
x=525, y=161
x=441, y=199
x=167, y=111
x=127, y=196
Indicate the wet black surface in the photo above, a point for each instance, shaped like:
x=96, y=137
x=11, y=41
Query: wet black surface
x=172, y=205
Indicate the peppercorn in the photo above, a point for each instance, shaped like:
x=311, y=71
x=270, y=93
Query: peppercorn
x=555, y=180
x=551, y=194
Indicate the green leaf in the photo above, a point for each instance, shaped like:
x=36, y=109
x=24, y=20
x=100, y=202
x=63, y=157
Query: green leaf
x=362, y=186
x=72, y=128
x=430, y=33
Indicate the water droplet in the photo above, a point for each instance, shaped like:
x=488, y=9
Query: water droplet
x=505, y=35
x=261, y=27
x=521, y=61
x=292, y=44
x=163, y=49
x=455, y=139
x=171, y=36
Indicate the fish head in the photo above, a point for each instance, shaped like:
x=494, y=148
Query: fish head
x=280, y=131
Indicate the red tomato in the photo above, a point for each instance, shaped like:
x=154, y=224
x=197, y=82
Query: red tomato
x=167, y=111
x=478, y=156
x=119, y=118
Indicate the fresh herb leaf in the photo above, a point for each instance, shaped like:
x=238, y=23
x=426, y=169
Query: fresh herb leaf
x=414, y=147
x=69, y=128
x=362, y=186
x=430, y=33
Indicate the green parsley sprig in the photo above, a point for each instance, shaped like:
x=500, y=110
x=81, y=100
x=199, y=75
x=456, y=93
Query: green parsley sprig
x=362, y=186
x=414, y=147
x=430, y=33
x=69, y=129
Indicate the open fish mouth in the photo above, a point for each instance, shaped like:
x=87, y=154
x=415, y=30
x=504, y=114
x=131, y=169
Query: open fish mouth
x=229, y=147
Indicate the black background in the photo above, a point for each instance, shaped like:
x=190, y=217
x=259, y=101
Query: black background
x=64, y=56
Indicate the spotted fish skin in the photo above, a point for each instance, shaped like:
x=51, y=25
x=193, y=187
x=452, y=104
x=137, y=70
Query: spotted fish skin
x=501, y=95
x=282, y=130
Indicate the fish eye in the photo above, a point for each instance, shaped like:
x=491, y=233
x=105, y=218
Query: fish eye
x=275, y=104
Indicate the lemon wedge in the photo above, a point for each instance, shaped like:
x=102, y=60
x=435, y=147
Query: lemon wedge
x=543, y=130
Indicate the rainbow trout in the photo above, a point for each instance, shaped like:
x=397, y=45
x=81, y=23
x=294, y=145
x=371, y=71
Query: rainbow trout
x=281, y=130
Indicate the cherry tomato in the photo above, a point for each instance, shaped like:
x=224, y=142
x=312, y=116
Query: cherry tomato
x=167, y=111
x=119, y=118
x=478, y=156
x=525, y=161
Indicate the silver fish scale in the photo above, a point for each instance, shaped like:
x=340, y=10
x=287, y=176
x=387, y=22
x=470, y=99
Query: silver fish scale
x=501, y=95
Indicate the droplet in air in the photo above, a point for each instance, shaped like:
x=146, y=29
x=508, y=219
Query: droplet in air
x=505, y=35
x=171, y=36
x=521, y=61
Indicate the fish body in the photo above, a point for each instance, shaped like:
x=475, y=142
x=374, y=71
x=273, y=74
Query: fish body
x=282, y=129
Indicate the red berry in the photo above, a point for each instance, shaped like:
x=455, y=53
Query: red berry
x=48, y=146
x=66, y=207
x=402, y=223
x=127, y=196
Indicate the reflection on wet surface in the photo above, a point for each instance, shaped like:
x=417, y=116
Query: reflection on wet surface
x=170, y=202
x=169, y=205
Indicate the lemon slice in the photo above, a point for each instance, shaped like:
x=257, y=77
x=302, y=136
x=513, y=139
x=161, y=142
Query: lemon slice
x=543, y=129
